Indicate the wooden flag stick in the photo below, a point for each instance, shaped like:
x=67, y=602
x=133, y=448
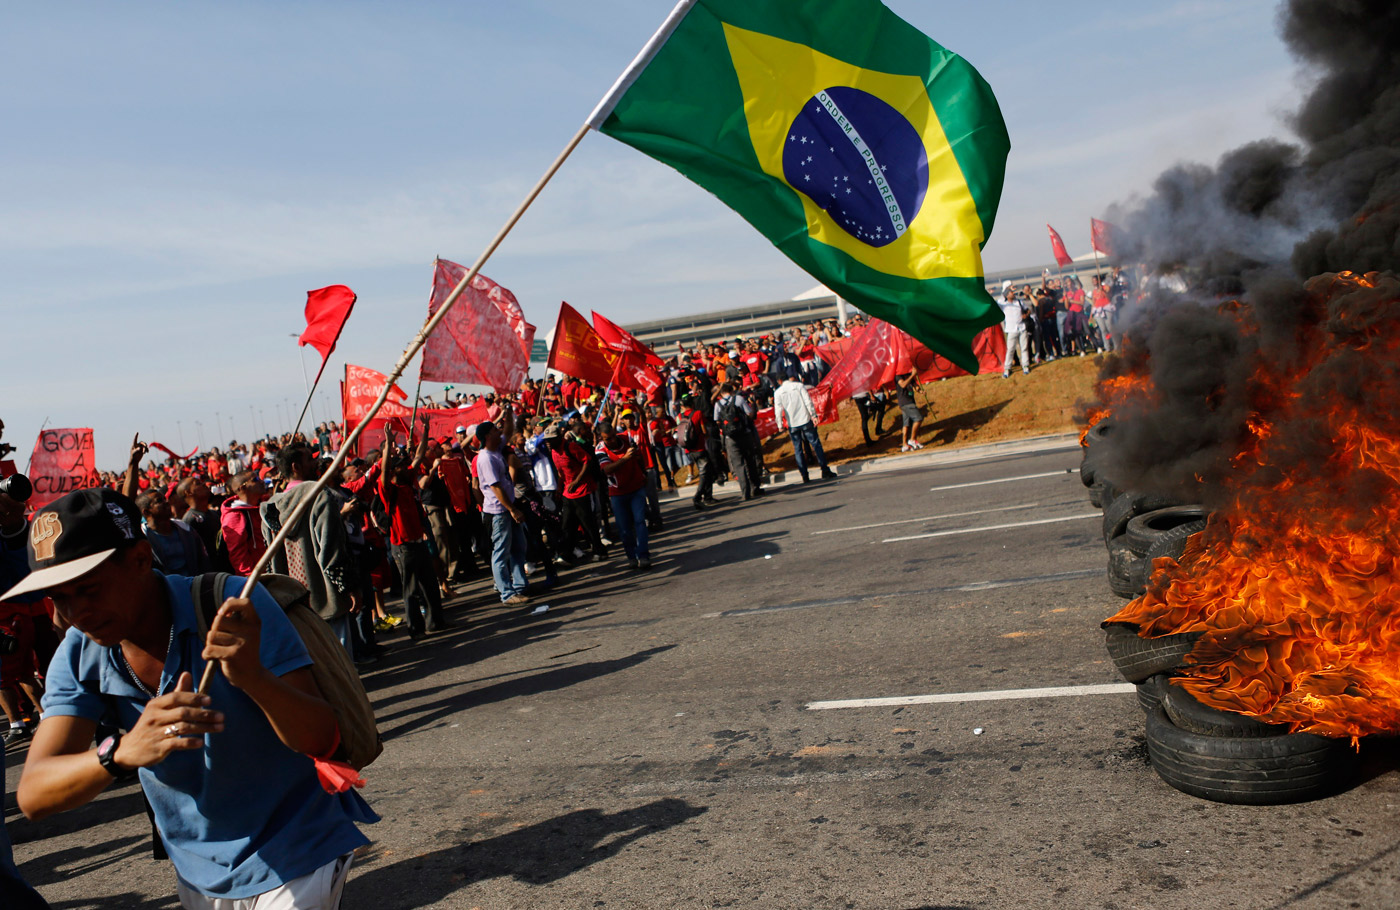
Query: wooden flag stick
x=412, y=350
x=309, y=392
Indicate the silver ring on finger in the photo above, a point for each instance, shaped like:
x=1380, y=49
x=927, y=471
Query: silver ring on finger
x=172, y=730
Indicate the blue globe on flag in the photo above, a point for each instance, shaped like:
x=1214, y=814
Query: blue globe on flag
x=860, y=161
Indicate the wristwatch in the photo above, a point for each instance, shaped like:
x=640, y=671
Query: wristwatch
x=105, y=752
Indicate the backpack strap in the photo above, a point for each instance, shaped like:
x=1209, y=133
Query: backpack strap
x=206, y=589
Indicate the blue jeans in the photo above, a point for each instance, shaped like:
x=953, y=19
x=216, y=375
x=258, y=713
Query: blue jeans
x=507, y=556
x=807, y=431
x=631, y=514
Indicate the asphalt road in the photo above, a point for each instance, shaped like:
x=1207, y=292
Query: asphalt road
x=647, y=741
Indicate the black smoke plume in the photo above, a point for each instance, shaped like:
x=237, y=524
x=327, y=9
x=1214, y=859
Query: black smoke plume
x=1244, y=236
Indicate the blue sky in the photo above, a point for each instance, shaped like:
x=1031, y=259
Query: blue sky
x=175, y=176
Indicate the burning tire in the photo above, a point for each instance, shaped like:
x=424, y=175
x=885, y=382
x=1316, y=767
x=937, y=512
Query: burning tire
x=1170, y=525
x=1098, y=432
x=1138, y=658
x=1127, y=507
x=1188, y=714
x=1257, y=771
x=1150, y=691
x=1125, y=575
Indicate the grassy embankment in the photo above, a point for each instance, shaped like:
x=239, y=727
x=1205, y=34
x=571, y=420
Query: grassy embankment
x=964, y=411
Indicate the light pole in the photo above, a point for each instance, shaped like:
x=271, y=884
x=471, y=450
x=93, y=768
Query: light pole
x=199, y=431
x=181, y=430
x=218, y=428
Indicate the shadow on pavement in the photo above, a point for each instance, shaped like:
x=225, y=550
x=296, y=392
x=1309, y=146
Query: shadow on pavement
x=536, y=855
x=548, y=681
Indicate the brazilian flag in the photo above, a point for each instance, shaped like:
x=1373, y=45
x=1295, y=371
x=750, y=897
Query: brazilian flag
x=870, y=155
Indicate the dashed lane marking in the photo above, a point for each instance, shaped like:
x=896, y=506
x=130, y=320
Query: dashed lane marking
x=960, y=697
x=905, y=521
x=983, y=483
x=922, y=592
x=1017, y=524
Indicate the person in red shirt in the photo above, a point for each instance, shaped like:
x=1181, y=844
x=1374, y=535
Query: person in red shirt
x=571, y=459
x=409, y=542
x=622, y=462
x=635, y=430
x=663, y=437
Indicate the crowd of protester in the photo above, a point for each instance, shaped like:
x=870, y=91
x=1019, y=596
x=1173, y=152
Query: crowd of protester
x=563, y=472
x=1060, y=318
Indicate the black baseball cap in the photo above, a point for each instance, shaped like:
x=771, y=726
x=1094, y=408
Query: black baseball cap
x=74, y=535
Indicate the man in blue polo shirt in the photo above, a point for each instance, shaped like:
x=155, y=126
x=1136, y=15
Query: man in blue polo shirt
x=228, y=775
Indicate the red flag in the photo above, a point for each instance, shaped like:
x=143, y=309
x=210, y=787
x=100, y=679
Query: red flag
x=634, y=372
x=1101, y=235
x=1057, y=246
x=326, y=312
x=483, y=340
x=880, y=352
x=62, y=463
x=579, y=351
x=193, y=452
x=362, y=388
x=619, y=339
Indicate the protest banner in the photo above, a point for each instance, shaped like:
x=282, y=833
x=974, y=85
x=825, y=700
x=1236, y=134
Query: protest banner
x=62, y=463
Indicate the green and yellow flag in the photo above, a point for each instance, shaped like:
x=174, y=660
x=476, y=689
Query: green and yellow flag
x=870, y=155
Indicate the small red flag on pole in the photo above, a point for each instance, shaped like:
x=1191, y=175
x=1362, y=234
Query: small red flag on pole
x=1057, y=246
x=327, y=310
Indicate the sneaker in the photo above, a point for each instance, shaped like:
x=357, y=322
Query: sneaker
x=383, y=625
x=516, y=600
x=1005, y=374
x=531, y=568
x=644, y=563
x=633, y=563
x=905, y=447
x=17, y=735
x=828, y=475
x=395, y=621
x=1025, y=372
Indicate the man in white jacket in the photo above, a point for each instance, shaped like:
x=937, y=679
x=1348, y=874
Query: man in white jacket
x=793, y=409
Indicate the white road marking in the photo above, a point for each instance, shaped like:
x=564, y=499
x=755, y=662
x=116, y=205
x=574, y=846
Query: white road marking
x=905, y=521
x=923, y=592
x=983, y=483
x=1018, y=524
x=960, y=697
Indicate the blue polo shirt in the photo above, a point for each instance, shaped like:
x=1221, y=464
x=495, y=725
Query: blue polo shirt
x=245, y=814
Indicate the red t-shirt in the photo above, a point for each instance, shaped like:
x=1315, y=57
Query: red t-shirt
x=571, y=460
x=754, y=361
x=630, y=476
x=638, y=438
x=697, y=419
x=663, y=430
x=404, y=524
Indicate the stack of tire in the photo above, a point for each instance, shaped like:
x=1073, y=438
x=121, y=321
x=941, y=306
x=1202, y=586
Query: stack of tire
x=1137, y=527
x=1220, y=755
x=1140, y=527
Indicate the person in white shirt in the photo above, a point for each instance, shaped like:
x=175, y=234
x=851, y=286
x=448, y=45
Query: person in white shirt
x=1013, y=313
x=793, y=409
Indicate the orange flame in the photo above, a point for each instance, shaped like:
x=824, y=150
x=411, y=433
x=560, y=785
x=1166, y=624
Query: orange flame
x=1296, y=584
x=1114, y=392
